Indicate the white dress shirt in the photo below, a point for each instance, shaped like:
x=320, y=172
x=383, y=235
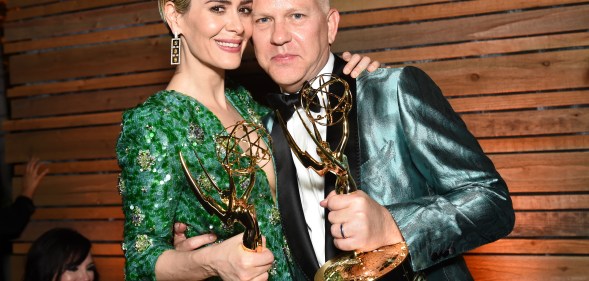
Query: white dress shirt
x=311, y=185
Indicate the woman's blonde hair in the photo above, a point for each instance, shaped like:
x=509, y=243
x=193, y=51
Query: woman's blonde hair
x=181, y=6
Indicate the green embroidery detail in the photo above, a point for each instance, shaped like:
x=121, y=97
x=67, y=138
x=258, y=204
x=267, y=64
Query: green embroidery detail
x=142, y=243
x=145, y=160
x=274, y=216
x=195, y=132
x=137, y=216
x=121, y=185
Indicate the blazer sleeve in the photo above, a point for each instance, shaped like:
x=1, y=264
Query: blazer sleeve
x=468, y=203
x=148, y=189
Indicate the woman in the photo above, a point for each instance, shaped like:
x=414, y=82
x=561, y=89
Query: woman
x=197, y=105
x=60, y=254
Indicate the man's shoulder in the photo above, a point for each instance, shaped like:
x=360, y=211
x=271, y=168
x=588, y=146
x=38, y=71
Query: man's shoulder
x=391, y=72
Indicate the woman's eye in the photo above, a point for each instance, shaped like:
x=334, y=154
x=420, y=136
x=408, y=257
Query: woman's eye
x=218, y=9
x=245, y=10
x=72, y=268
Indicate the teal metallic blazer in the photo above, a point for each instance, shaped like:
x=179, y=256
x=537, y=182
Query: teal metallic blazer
x=413, y=154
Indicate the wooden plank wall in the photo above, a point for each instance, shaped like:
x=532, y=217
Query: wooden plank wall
x=517, y=72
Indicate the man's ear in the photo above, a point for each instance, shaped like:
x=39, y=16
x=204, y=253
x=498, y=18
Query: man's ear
x=172, y=17
x=332, y=23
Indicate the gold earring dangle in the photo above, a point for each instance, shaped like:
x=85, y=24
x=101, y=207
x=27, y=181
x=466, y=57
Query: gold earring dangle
x=175, y=51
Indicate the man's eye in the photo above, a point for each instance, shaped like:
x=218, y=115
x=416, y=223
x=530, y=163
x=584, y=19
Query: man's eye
x=262, y=20
x=298, y=16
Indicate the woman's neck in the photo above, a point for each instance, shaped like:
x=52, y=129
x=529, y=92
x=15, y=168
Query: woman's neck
x=205, y=84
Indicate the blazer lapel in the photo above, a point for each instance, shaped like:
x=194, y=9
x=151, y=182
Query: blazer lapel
x=289, y=204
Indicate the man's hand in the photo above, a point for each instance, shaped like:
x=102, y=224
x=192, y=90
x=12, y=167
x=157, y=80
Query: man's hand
x=32, y=177
x=366, y=224
x=358, y=63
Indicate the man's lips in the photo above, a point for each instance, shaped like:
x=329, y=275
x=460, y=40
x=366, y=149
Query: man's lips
x=283, y=57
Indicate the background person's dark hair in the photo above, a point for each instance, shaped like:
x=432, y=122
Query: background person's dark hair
x=54, y=252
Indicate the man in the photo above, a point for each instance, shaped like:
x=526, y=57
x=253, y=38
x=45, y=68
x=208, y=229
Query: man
x=423, y=177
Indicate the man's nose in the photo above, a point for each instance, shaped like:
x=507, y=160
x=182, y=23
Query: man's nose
x=280, y=34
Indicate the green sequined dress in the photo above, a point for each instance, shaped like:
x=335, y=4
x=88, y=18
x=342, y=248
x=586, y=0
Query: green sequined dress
x=155, y=191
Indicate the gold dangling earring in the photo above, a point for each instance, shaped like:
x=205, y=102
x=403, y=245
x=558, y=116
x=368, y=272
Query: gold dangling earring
x=175, y=51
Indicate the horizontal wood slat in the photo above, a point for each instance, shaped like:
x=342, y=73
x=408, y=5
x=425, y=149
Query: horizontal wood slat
x=81, y=143
x=535, y=246
x=78, y=213
x=520, y=101
x=528, y=268
x=71, y=63
x=495, y=26
x=480, y=48
x=61, y=7
x=529, y=122
x=534, y=144
x=75, y=167
x=550, y=202
x=98, y=249
x=93, y=230
x=78, y=190
x=443, y=10
x=88, y=38
x=548, y=71
x=141, y=79
x=25, y=3
x=347, y=5
x=544, y=172
x=551, y=224
x=62, y=122
x=98, y=101
x=83, y=22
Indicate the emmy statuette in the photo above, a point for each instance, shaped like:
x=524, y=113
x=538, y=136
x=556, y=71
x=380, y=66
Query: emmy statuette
x=240, y=153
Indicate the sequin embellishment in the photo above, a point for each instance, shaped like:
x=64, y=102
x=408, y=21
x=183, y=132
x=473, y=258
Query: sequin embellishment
x=142, y=243
x=196, y=133
x=121, y=185
x=275, y=216
x=145, y=160
x=137, y=216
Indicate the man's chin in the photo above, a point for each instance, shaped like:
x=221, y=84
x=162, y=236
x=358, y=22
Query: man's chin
x=284, y=77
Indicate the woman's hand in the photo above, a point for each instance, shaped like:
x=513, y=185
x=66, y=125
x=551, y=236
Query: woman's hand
x=32, y=177
x=358, y=63
x=231, y=261
x=228, y=259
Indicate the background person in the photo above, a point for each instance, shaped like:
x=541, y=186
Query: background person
x=60, y=254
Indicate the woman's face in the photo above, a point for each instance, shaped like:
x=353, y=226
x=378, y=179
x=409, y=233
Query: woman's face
x=81, y=272
x=215, y=32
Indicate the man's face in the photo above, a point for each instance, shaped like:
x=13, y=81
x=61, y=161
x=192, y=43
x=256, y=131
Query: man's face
x=292, y=38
